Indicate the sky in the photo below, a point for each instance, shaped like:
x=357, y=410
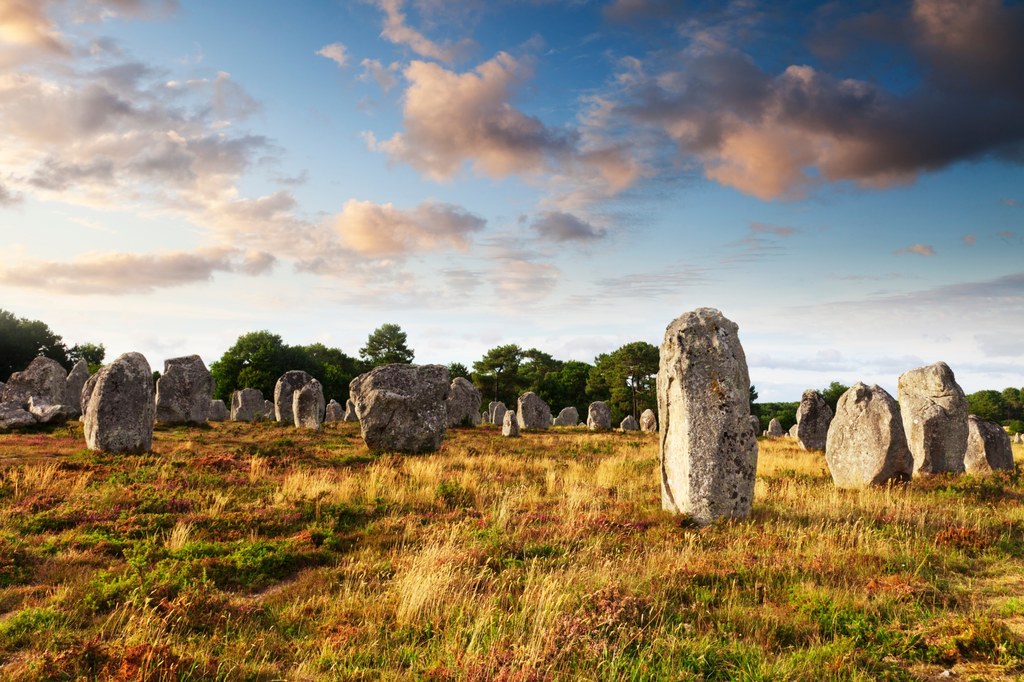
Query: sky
x=842, y=180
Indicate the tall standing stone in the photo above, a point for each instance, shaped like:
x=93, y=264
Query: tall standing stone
x=599, y=416
x=510, y=424
x=350, y=411
x=308, y=406
x=498, y=413
x=402, y=407
x=988, y=447
x=812, y=421
x=629, y=424
x=463, y=403
x=184, y=391
x=775, y=429
x=247, y=405
x=866, y=444
x=73, y=386
x=934, y=412
x=334, y=412
x=569, y=416
x=648, y=422
x=708, y=452
x=218, y=411
x=532, y=412
x=284, y=391
x=120, y=411
x=43, y=378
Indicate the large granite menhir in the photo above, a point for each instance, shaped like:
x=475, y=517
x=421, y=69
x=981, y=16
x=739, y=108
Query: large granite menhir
x=866, y=444
x=247, y=405
x=934, y=411
x=988, y=447
x=44, y=378
x=599, y=416
x=532, y=412
x=812, y=421
x=569, y=416
x=463, y=403
x=184, y=391
x=308, y=406
x=119, y=417
x=401, y=407
x=708, y=452
x=284, y=390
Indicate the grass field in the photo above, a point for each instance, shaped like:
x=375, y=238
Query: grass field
x=258, y=552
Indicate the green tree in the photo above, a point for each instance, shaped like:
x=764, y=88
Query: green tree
x=332, y=367
x=496, y=374
x=987, y=405
x=569, y=386
x=256, y=360
x=90, y=352
x=833, y=393
x=386, y=345
x=628, y=374
x=22, y=340
x=457, y=369
x=753, y=400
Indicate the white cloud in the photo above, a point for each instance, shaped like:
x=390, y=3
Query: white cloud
x=336, y=52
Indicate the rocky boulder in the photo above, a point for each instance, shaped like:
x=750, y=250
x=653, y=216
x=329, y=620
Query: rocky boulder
x=988, y=447
x=73, y=386
x=284, y=392
x=120, y=411
x=463, y=403
x=648, y=422
x=510, y=424
x=334, y=412
x=45, y=413
x=755, y=424
x=269, y=410
x=569, y=416
x=247, y=405
x=866, y=444
x=350, y=411
x=44, y=378
x=708, y=452
x=498, y=413
x=402, y=407
x=532, y=412
x=184, y=391
x=629, y=424
x=13, y=416
x=599, y=416
x=218, y=411
x=934, y=411
x=308, y=406
x=812, y=420
x=775, y=429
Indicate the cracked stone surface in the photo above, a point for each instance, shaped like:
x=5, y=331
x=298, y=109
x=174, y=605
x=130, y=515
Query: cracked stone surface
x=401, y=407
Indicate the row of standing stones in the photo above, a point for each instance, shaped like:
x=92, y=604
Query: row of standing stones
x=708, y=443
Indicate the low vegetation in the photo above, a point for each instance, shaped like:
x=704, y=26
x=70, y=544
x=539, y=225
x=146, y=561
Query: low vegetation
x=258, y=552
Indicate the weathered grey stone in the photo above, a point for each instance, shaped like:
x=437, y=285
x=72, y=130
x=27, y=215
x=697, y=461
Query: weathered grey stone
x=569, y=416
x=350, y=411
x=43, y=378
x=934, y=411
x=308, y=406
x=184, y=391
x=755, y=424
x=87, y=389
x=13, y=415
x=490, y=412
x=498, y=413
x=334, y=412
x=866, y=444
x=248, y=405
x=792, y=432
x=812, y=420
x=629, y=424
x=45, y=413
x=708, y=452
x=73, y=386
x=599, y=416
x=775, y=429
x=988, y=447
x=532, y=412
x=284, y=390
x=510, y=424
x=402, y=407
x=463, y=403
x=648, y=422
x=119, y=417
x=218, y=411
x=269, y=410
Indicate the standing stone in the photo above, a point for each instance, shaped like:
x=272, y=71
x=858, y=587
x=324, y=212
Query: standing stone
x=934, y=412
x=463, y=403
x=73, y=386
x=86, y=396
x=269, y=410
x=629, y=424
x=350, y=411
x=120, y=411
x=599, y=416
x=402, y=407
x=988, y=447
x=755, y=424
x=284, y=390
x=43, y=378
x=866, y=444
x=247, y=405
x=308, y=406
x=334, y=412
x=45, y=413
x=510, y=424
x=648, y=422
x=569, y=416
x=1017, y=438
x=792, y=432
x=490, y=411
x=218, y=411
x=184, y=391
x=775, y=428
x=532, y=412
x=812, y=421
x=13, y=415
x=498, y=413
x=708, y=452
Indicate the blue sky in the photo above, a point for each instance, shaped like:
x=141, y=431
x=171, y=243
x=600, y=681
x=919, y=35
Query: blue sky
x=843, y=180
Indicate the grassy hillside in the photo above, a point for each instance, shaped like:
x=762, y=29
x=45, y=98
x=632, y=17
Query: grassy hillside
x=260, y=552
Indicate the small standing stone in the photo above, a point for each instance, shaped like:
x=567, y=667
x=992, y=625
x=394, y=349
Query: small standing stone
x=1017, y=438
x=812, y=420
x=73, y=386
x=184, y=391
x=510, y=424
x=13, y=415
x=934, y=411
x=866, y=443
x=119, y=417
x=350, y=411
x=269, y=410
x=43, y=378
x=463, y=403
x=792, y=431
x=532, y=412
x=755, y=424
x=988, y=447
x=569, y=416
x=498, y=413
x=334, y=412
x=308, y=406
x=247, y=405
x=629, y=424
x=284, y=390
x=599, y=416
x=775, y=429
x=648, y=422
x=219, y=411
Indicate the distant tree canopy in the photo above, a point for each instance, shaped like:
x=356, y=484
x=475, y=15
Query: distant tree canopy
x=386, y=345
x=626, y=379
x=457, y=369
x=833, y=393
x=90, y=352
x=497, y=375
x=22, y=340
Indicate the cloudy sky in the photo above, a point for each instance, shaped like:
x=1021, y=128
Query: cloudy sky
x=844, y=180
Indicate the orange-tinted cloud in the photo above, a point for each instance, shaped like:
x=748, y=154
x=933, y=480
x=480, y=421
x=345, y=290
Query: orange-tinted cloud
x=397, y=30
x=916, y=249
x=381, y=230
